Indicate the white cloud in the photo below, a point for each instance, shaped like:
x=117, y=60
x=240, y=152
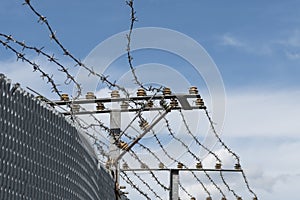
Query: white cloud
x=229, y=40
x=256, y=112
x=263, y=48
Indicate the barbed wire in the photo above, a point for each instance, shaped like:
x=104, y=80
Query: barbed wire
x=133, y=19
x=51, y=58
x=36, y=68
x=104, y=79
x=144, y=182
x=219, y=138
x=112, y=84
x=184, y=190
x=248, y=185
x=144, y=147
x=231, y=152
x=176, y=161
x=126, y=178
x=227, y=185
x=195, y=138
x=134, y=155
x=99, y=123
x=193, y=155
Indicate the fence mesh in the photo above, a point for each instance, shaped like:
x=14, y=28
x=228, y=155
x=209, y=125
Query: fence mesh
x=42, y=155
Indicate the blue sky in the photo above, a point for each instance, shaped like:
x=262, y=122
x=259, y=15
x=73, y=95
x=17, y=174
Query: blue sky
x=255, y=44
x=236, y=34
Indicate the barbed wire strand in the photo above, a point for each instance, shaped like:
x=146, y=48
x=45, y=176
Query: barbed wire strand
x=247, y=184
x=176, y=161
x=229, y=150
x=42, y=19
x=144, y=182
x=227, y=186
x=39, y=51
x=195, y=138
x=126, y=178
x=219, y=138
x=144, y=147
x=184, y=190
x=159, y=160
x=161, y=146
x=36, y=68
x=133, y=19
x=193, y=155
x=133, y=154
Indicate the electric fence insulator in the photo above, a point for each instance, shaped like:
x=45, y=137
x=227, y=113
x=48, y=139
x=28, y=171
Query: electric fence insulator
x=107, y=164
x=115, y=94
x=164, y=104
x=144, y=125
x=124, y=105
x=122, y=187
x=141, y=92
x=223, y=198
x=199, y=102
x=218, y=166
x=193, y=198
x=199, y=165
x=64, y=97
x=193, y=90
x=174, y=102
x=150, y=104
x=167, y=91
x=143, y=166
x=123, y=145
x=179, y=165
x=237, y=166
x=161, y=165
x=90, y=95
x=125, y=166
x=254, y=198
x=75, y=107
x=100, y=106
x=208, y=198
x=239, y=198
x=41, y=98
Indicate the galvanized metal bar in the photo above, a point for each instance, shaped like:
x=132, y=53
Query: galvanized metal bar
x=130, y=110
x=190, y=169
x=121, y=99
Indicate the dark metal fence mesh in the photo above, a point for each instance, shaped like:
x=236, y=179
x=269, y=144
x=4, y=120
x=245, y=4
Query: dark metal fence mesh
x=42, y=156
